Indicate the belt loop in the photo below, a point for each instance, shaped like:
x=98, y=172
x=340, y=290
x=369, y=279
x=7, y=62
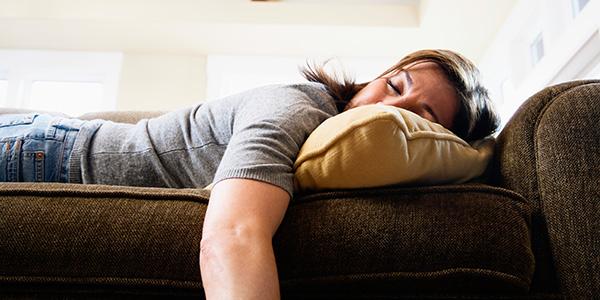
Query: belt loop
x=51, y=131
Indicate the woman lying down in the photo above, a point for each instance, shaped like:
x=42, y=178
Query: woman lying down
x=245, y=145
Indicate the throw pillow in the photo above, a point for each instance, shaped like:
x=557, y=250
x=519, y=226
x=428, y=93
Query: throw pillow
x=377, y=145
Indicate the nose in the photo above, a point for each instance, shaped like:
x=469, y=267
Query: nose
x=407, y=102
x=411, y=103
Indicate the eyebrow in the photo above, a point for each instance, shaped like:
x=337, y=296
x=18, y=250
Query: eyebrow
x=409, y=83
x=409, y=80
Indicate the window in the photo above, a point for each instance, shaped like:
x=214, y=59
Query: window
x=70, y=82
x=74, y=98
x=578, y=6
x=3, y=91
x=537, y=49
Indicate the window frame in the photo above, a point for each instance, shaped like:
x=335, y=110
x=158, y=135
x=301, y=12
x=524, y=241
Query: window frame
x=22, y=68
x=577, y=7
x=535, y=46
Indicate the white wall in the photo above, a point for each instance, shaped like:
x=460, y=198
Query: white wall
x=161, y=82
x=571, y=46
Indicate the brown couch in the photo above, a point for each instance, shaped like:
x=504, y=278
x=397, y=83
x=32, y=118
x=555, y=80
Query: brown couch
x=529, y=229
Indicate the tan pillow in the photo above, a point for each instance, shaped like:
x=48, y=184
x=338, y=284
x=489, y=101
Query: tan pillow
x=378, y=145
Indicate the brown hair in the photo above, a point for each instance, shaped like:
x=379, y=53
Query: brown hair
x=476, y=117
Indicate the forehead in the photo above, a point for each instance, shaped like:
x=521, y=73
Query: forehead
x=428, y=75
x=425, y=67
x=433, y=87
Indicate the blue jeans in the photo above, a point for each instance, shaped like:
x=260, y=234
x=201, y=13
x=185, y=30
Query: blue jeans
x=35, y=147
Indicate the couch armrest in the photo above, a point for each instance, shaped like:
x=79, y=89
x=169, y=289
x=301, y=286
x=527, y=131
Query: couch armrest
x=131, y=117
x=549, y=152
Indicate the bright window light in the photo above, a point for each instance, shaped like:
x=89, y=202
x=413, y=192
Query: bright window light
x=74, y=98
x=578, y=6
x=595, y=73
x=72, y=82
x=3, y=91
x=537, y=49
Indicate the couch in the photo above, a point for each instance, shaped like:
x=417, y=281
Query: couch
x=528, y=229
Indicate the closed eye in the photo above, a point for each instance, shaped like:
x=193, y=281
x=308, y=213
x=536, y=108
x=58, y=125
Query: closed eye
x=430, y=111
x=389, y=82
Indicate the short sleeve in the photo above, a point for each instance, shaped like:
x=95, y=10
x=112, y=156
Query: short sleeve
x=268, y=130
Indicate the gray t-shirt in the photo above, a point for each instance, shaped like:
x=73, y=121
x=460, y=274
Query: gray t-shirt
x=254, y=135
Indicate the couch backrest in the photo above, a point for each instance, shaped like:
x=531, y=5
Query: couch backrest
x=549, y=152
x=122, y=116
x=116, y=116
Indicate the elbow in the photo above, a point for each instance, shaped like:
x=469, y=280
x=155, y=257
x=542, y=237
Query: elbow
x=206, y=251
x=215, y=255
x=222, y=246
x=214, y=249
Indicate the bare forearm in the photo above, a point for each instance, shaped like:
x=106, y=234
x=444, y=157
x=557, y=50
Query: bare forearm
x=239, y=270
x=236, y=258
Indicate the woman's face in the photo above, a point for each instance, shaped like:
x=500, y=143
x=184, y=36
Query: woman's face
x=421, y=88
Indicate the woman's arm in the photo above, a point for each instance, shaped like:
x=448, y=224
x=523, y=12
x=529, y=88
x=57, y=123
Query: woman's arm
x=236, y=251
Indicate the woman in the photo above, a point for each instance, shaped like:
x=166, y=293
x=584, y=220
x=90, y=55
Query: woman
x=245, y=145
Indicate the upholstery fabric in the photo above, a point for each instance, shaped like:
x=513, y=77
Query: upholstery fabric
x=105, y=239
x=100, y=235
x=378, y=145
x=550, y=154
x=115, y=116
x=468, y=238
x=9, y=110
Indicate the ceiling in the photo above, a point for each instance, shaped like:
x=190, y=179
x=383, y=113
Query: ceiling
x=371, y=28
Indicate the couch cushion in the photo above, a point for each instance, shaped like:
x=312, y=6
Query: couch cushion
x=84, y=239
x=68, y=237
x=443, y=239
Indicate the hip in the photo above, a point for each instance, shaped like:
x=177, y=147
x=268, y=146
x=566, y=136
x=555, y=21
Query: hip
x=36, y=147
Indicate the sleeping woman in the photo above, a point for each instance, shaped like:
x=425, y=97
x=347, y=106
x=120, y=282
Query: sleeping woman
x=245, y=145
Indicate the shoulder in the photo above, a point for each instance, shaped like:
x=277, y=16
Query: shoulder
x=313, y=89
x=274, y=100
x=298, y=94
x=310, y=90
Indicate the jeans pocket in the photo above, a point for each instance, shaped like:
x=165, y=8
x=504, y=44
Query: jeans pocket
x=19, y=165
x=32, y=166
x=35, y=151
